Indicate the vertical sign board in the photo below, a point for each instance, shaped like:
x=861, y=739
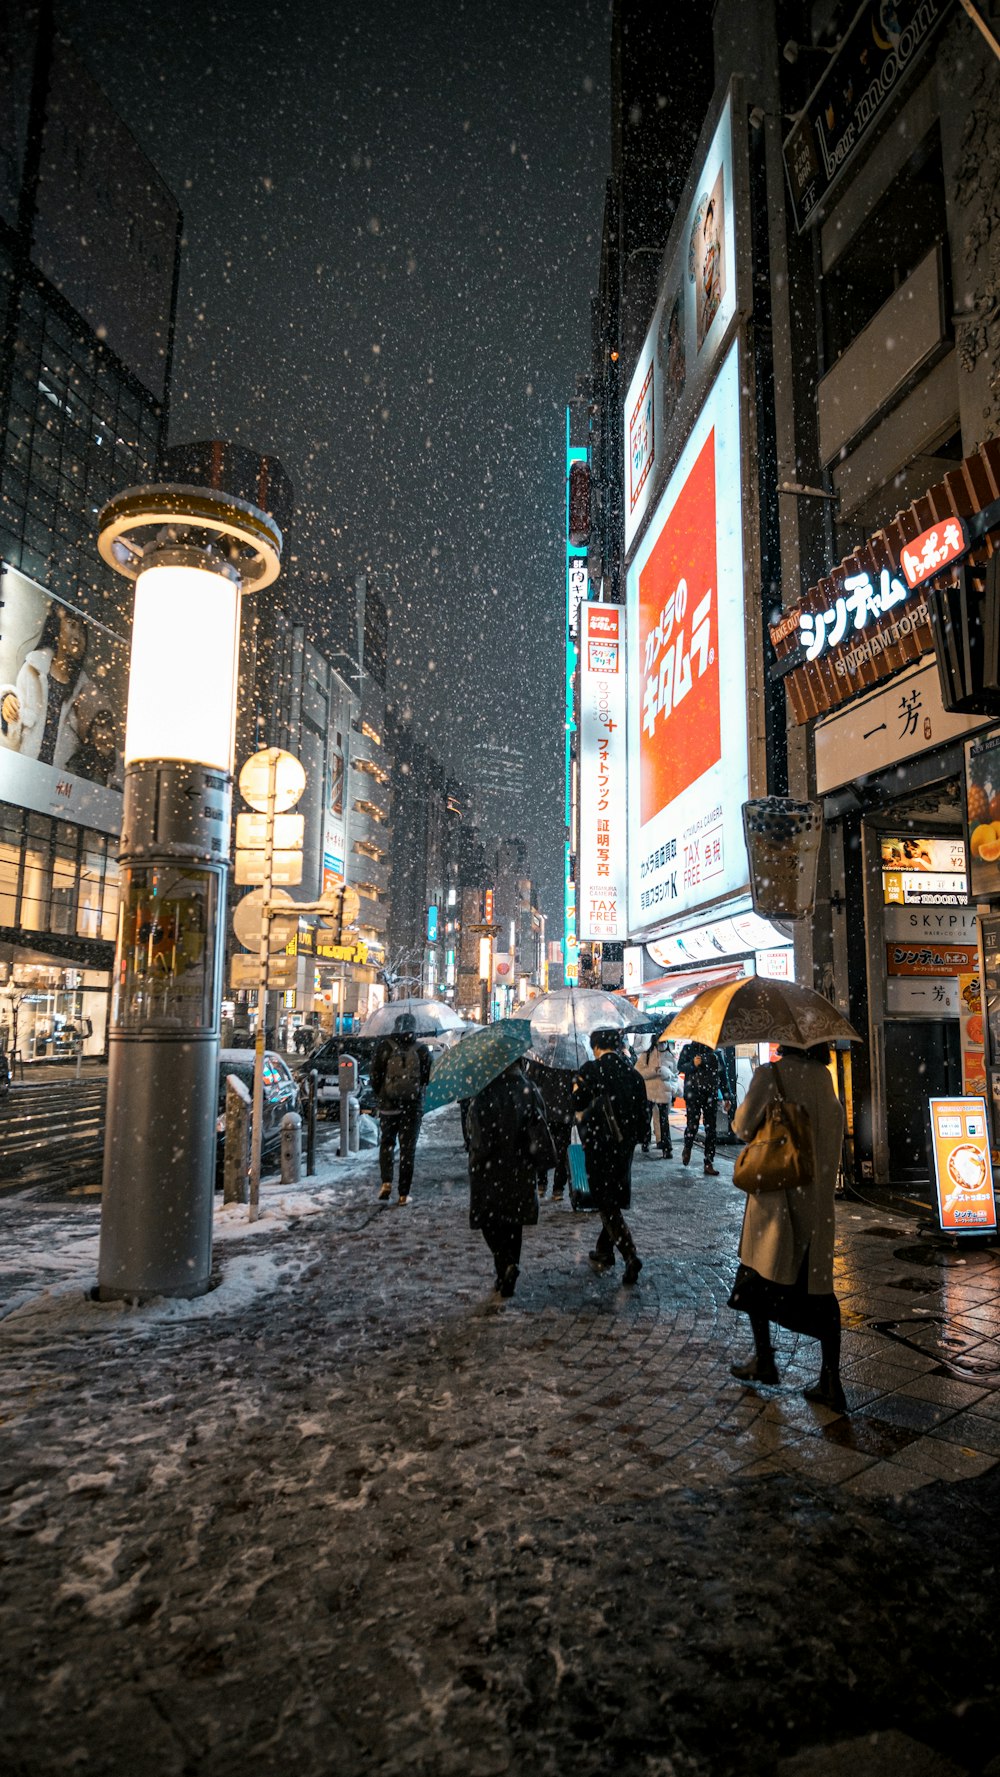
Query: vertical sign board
x=577, y=590
x=603, y=710
x=689, y=325
x=687, y=761
x=963, y=1175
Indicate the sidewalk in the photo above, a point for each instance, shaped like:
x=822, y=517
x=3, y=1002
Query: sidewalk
x=350, y=1514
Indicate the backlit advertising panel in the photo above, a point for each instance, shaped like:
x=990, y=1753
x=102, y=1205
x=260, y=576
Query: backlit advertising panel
x=963, y=1175
x=603, y=710
x=690, y=321
x=687, y=708
x=63, y=687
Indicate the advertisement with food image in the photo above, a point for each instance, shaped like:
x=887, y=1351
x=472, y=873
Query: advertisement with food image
x=972, y=1033
x=963, y=1174
x=63, y=687
x=982, y=814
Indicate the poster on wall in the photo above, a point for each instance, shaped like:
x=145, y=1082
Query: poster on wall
x=687, y=766
x=697, y=303
x=63, y=691
x=333, y=821
x=982, y=814
x=603, y=709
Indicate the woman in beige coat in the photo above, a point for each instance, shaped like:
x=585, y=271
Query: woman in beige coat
x=786, y=1247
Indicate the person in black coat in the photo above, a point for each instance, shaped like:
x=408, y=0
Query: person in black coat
x=400, y=1070
x=509, y=1148
x=556, y=1087
x=706, y=1077
x=610, y=1102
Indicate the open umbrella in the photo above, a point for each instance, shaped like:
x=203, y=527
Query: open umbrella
x=433, y=1017
x=756, y=1010
x=576, y=1011
x=477, y=1060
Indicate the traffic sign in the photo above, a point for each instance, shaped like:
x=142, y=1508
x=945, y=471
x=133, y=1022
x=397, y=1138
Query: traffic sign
x=247, y=921
x=282, y=972
x=345, y=904
x=289, y=780
x=286, y=868
x=251, y=832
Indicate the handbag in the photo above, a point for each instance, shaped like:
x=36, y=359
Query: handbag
x=779, y=1156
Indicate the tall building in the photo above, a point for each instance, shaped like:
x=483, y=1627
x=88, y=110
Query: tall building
x=498, y=785
x=89, y=244
x=428, y=808
x=792, y=420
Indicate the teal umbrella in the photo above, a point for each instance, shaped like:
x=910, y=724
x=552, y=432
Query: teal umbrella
x=477, y=1060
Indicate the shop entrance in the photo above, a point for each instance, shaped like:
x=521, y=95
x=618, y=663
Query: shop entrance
x=921, y=1059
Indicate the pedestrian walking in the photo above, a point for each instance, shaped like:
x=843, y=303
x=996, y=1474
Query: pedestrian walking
x=785, y=1272
x=706, y=1078
x=657, y=1069
x=610, y=1102
x=510, y=1148
x=555, y=1083
x=400, y=1070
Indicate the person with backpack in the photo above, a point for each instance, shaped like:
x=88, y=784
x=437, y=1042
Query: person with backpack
x=610, y=1105
x=510, y=1151
x=706, y=1079
x=400, y=1069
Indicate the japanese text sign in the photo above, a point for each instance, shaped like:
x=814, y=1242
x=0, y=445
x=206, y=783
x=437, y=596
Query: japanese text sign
x=687, y=766
x=932, y=551
x=963, y=1175
x=603, y=712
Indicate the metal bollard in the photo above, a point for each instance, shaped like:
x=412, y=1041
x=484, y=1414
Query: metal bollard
x=311, y=1091
x=236, y=1159
x=347, y=1079
x=291, y=1148
x=354, y=1124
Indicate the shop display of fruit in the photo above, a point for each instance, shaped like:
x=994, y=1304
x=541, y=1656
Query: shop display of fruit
x=979, y=805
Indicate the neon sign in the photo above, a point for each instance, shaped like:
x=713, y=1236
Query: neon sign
x=819, y=630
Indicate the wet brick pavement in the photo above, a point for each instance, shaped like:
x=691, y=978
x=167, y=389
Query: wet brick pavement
x=352, y=1514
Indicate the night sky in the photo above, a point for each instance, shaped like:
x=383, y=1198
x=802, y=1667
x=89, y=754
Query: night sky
x=392, y=231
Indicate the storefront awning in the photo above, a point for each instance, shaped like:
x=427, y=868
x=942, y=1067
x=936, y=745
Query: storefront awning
x=676, y=989
x=862, y=623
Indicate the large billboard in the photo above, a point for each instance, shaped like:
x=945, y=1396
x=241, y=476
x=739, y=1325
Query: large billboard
x=690, y=321
x=63, y=690
x=602, y=772
x=687, y=705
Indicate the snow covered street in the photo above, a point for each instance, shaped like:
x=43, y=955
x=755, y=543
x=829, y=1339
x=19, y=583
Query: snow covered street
x=349, y=1513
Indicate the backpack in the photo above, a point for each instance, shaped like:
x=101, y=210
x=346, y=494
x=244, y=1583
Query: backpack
x=402, y=1083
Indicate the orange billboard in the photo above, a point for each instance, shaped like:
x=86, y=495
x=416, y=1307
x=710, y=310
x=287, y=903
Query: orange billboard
x=963, y=1174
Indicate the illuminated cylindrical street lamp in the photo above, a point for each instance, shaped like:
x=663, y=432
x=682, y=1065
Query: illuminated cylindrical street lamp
x=190, y=551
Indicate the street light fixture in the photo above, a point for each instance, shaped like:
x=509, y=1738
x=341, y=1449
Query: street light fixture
x=190, y=551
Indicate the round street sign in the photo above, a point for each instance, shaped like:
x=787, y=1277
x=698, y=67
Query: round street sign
x=289, y=780
x=344, y=904
x=247, y=920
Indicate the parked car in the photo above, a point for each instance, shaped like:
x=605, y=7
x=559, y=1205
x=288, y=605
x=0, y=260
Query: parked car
x=281, y=1094
x=326, y=1061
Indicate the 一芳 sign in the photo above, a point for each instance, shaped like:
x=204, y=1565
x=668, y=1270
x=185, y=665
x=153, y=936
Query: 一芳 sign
x=602, y=772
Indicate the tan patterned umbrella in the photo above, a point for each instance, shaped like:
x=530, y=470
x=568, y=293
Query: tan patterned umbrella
x=756, y=1010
